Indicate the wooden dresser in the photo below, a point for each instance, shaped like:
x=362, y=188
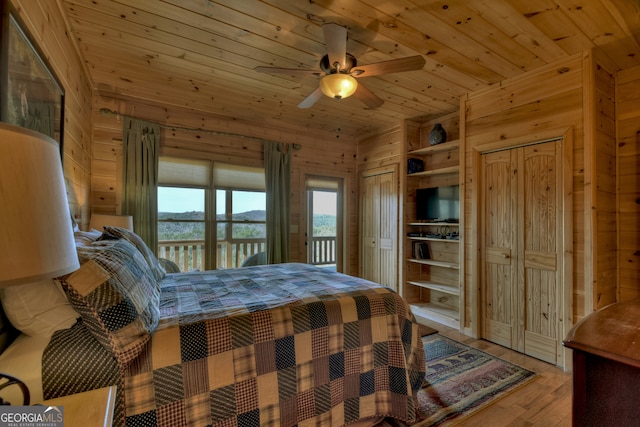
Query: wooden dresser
x=606, y=366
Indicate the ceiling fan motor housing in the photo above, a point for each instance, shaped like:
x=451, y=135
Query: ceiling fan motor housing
x=349, y=62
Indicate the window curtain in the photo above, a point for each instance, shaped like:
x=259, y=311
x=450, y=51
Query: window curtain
x=277, y=169
x=141, y=145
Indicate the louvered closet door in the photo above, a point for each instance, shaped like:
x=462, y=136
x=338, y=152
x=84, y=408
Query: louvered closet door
x=380, y=228
x=370, y=201
x=388, y=230
x=522, y=244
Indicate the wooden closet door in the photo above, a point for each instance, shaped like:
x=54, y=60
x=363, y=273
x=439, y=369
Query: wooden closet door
x=388, y=230
x=370, y=201
x=541, y=249
x=380, y=228
x=499, y=237
x=522, y=248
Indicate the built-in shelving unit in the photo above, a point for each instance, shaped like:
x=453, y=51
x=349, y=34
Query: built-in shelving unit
x=432, y=268
x=435, y=263
x=441, y=171
x=449, y=145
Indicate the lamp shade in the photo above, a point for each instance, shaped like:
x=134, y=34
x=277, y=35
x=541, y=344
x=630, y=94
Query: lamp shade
x=338, y=85
x=36, y=235
x=98, y=221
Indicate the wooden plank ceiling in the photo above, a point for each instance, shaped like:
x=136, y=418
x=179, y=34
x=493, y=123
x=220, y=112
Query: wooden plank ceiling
x=201, y=54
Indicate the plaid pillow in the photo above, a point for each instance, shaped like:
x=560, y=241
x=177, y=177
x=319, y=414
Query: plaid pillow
x=122, y=233
x=117, y=296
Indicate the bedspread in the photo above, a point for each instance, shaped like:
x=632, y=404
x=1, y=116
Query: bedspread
x=277, y=345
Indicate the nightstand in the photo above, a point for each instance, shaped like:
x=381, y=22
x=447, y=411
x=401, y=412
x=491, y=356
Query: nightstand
x=90, y=408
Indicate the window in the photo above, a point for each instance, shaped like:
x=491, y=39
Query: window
x=183, y=190
x=323, y=236
x=210, y=215
x=181, y=226
x=241, y=225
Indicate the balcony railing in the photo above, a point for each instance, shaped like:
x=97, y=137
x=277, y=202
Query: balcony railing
x=323, y=250
x=189, y=254
x=233, y=254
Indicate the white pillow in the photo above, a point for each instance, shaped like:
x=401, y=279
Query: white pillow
x=39, y=308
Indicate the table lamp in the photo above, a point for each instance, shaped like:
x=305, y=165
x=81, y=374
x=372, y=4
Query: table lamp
x=36, y=235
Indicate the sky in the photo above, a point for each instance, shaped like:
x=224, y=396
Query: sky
x=187, y=200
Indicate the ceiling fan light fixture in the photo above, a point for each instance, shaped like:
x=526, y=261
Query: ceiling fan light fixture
x=338, y=85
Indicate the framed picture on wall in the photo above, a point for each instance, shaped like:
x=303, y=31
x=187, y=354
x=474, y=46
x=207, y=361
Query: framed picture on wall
x=32, y=96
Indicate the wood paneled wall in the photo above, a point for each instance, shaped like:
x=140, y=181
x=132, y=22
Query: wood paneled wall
x=384, y=151
x=601, y=252
x=628, y=128
x=532, y=107
x=45, y=22
x=188, y=133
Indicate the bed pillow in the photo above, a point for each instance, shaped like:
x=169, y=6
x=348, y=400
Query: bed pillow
x=123, y=233
x=117, y=296
x=38, y=309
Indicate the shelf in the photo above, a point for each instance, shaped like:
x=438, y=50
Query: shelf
x=435, y=263
x=436, y=313
x=450, y=145
x=418, y=224
x=434, y=239
x=441, y=171
x=436, y=287
x=434, y=291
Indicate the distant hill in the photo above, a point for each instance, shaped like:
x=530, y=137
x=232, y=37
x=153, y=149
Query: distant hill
x=324, y=225
x=194, y=215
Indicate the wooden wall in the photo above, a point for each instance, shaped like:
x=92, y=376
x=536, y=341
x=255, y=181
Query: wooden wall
x=194, y=134
x=45, y=22
x=601, y=246
x=384, y=151
x=539, y=104
x=628, y=128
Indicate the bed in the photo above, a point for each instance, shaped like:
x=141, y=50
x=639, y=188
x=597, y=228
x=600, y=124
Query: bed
x=275, y=345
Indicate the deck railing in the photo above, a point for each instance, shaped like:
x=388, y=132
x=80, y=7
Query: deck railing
x=232, y=254
x=189, y=254
x=323, y=250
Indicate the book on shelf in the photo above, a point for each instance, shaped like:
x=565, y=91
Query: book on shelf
x=421, y=250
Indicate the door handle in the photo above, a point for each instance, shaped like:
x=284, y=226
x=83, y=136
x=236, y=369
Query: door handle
x=505, y=256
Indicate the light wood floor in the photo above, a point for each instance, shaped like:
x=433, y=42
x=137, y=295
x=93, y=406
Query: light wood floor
x=544, y=402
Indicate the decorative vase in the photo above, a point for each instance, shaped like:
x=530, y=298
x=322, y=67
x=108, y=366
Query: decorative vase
x=437, y=135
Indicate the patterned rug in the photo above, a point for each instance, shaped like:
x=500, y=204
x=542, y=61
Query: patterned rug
x=461, y=380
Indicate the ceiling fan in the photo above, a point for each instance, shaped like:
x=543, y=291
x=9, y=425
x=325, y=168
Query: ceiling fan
x=339, y=70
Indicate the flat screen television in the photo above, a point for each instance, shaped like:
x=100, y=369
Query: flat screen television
x=438, y=204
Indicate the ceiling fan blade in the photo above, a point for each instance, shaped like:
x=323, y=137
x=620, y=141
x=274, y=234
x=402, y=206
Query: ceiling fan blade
x=335, y=38
x=368, y=98
x=311, y=99
x=290, y=71
x=409, y=63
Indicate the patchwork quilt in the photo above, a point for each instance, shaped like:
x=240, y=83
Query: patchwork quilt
x=276, y=345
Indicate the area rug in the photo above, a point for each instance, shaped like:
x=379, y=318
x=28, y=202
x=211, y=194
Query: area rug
x=461, y=380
